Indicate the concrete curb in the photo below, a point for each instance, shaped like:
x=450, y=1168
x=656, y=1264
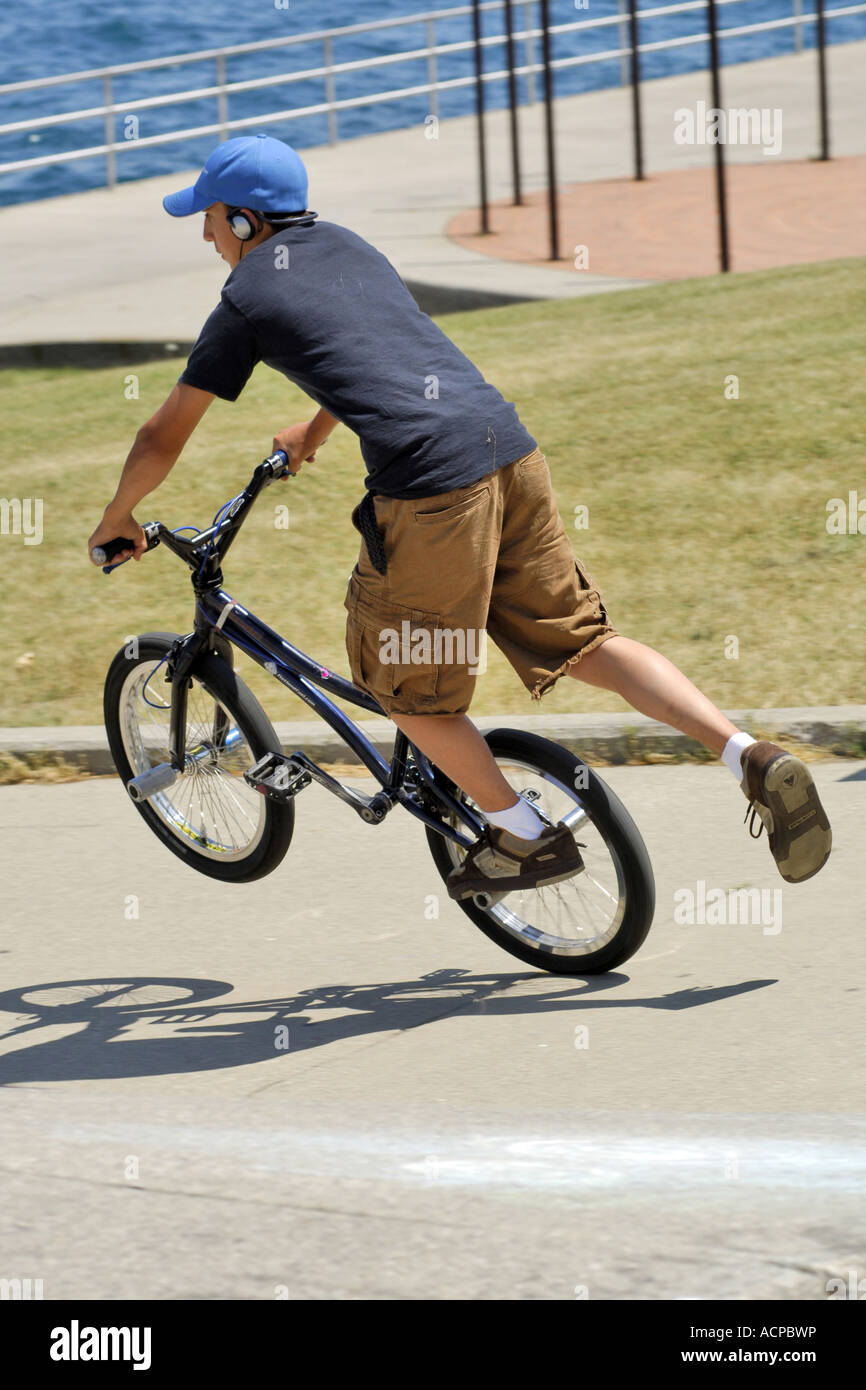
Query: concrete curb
x=613, y=737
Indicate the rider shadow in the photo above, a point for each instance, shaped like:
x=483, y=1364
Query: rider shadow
x=232, y=1033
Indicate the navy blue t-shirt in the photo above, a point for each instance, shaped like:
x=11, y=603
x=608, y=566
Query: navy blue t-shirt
x=321, y=305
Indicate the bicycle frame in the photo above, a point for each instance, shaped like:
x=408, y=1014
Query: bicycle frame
x=222, y=623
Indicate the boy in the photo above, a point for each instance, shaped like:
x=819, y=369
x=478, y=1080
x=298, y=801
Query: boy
x=461, y=531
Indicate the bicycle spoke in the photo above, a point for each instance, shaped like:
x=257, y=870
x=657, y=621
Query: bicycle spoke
x=209, y=803
x=580, y=914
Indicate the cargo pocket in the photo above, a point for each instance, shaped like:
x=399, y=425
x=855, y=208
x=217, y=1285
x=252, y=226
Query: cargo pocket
x=393, y=651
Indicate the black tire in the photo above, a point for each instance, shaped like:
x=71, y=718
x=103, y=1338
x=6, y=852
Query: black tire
x=274, y=821
x=615, y=830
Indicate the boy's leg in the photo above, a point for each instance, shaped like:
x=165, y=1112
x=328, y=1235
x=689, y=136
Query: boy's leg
x=780, y=787
x=548, y=618
x=517, y=849
x=798, y=828
x=642, y=676
x=455, y=745
x=654, y=686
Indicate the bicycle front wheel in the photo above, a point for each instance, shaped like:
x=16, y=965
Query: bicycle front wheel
x=593, y=921
x=210, y=817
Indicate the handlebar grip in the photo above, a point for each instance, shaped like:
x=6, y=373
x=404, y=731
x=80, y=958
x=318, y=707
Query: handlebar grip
x=279, y=464
x=103, y=553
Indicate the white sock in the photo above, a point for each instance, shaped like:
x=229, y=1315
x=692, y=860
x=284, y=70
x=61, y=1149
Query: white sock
x=520, y=819
x=733, y=750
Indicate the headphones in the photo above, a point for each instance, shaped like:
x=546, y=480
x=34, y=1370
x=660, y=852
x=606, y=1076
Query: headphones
x=245, y=223
x=241, y=225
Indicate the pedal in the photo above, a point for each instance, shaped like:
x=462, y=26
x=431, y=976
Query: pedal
x=487, y=900
x=276, y=776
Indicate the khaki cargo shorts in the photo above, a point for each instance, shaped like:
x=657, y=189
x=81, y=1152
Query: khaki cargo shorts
x=490, y=558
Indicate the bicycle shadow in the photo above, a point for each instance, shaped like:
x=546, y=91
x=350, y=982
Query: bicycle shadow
x=111, y=1024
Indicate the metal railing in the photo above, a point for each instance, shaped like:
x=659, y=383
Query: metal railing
x=329, y=71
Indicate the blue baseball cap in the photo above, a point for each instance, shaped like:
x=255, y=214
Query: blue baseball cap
x=252, y=171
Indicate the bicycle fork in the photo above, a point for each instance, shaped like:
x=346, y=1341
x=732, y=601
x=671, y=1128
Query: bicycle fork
x=181, y=659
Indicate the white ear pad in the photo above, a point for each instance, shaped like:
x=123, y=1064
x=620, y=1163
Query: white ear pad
x=241, y=226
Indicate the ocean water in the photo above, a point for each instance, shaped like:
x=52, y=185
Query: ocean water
x=42, y=38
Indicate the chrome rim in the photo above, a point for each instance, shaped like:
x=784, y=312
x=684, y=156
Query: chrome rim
x=210, y=806
x=581, y=915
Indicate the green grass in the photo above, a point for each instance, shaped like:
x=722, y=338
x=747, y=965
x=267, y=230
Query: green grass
x=707, y=516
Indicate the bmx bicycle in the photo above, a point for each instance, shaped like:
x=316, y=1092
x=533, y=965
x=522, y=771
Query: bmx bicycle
x=202, y=763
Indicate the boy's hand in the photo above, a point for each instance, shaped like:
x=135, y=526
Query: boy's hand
x=113, y=525
x=296, y=443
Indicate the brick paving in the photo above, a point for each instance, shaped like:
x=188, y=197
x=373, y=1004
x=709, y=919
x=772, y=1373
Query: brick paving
x=666, y=227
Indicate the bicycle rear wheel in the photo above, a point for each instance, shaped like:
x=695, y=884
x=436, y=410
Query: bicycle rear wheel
x=210, y=817
x=593, y=921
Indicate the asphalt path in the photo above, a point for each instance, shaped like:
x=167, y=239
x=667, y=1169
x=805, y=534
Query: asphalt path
x=308, y=1088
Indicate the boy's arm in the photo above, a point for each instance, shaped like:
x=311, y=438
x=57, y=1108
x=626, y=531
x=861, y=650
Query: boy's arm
x=301, y=441
x=154, y=453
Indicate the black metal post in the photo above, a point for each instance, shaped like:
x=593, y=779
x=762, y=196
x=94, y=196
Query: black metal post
x=635, y=94
x=512, y=100
x=721, y=199
x=548, y=114
x=822, y=80
x=479, y=107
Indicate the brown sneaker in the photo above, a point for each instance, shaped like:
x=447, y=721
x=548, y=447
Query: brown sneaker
x=499, y=862
x=782, y=793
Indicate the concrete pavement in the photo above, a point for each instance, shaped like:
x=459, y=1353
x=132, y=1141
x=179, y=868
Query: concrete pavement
x=436, y=1124
x=112, y=267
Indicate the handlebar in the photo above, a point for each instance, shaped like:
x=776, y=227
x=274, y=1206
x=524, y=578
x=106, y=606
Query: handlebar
x=101, y=554
x=276, y=466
